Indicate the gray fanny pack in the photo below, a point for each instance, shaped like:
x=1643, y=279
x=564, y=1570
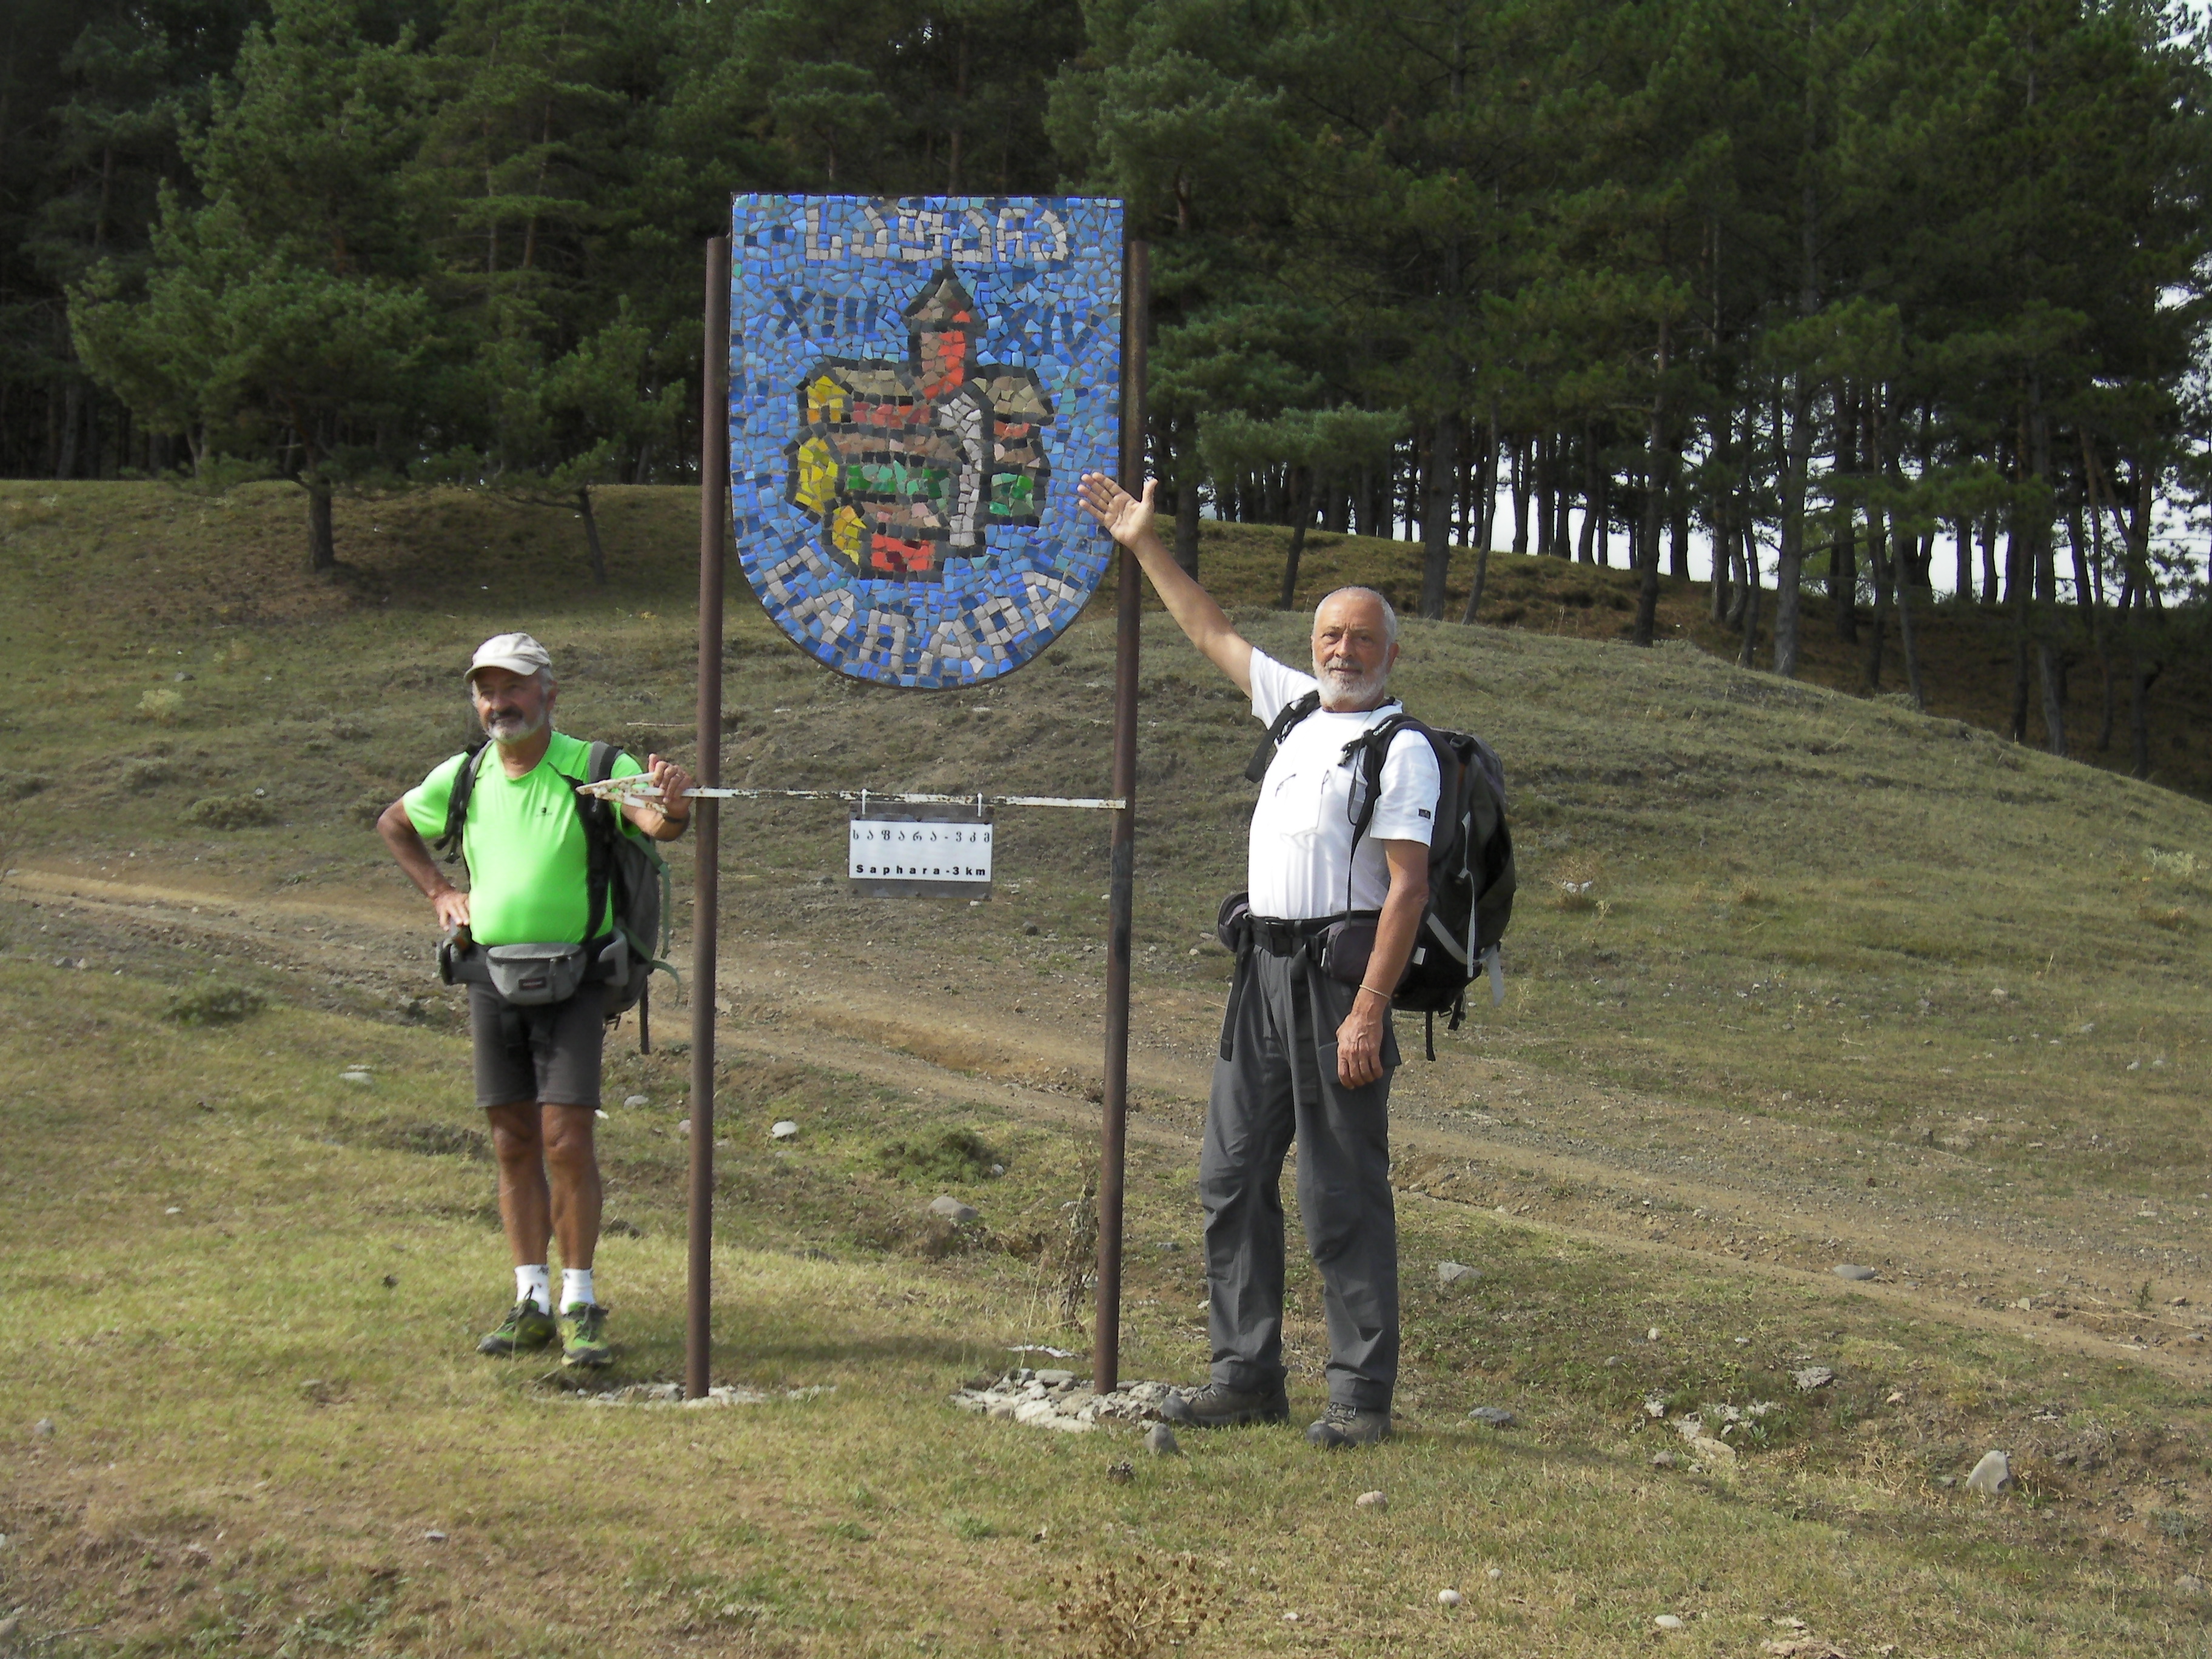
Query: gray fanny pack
x=533, y=975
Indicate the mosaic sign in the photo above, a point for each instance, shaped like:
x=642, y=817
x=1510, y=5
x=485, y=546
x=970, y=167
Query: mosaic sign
x=915, y=386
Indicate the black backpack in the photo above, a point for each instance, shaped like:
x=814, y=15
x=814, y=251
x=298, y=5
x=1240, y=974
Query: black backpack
x=618, y=867
x=1471, y=876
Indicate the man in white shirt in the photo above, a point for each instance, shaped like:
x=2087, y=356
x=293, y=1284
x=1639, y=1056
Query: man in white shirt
x=1304, y=1054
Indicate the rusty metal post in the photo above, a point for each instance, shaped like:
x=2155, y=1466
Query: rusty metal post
x=1106, y=1337
x=714, y=514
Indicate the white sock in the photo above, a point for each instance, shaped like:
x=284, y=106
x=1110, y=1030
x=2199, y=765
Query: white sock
x=534, y=1285
x=575, y=1286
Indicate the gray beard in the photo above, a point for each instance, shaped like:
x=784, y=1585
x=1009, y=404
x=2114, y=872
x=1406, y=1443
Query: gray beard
x=514, y=728
x=1340, y=685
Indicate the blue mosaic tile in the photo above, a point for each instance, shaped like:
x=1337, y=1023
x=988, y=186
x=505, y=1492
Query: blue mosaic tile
x=916, y=385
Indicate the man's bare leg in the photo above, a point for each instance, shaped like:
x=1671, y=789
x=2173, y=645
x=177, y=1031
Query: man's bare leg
x=525, y=1211
x=525, y=1205
x=572, y=1163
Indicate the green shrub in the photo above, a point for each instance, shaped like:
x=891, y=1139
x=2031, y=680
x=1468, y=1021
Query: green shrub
x=953, y=1156
x=213, y=1005
x=230, y=812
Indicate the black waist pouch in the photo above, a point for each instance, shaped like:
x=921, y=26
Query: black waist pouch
x=1342, y=949
x=1232, y=924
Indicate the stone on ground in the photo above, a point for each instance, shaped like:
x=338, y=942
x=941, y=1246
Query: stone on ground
x=1496, y=1417
x=1160, y=1441
x=1993, y=1474
x=1856, y=1275
x=952, y=1209
x=1456, y=1272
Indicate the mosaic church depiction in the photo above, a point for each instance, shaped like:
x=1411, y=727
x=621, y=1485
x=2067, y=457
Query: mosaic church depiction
x=900, y=461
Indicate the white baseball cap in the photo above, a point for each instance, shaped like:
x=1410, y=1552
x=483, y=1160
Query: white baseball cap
x=517, y=653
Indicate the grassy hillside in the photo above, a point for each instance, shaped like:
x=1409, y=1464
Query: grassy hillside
x=1797, y=977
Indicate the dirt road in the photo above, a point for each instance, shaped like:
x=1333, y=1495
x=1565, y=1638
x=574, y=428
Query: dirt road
x=1742, y=1193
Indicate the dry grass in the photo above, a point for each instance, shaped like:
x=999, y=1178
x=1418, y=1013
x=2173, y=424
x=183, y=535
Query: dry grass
x=255, y=1433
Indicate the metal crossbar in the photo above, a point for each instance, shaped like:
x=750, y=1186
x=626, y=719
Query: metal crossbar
x=635, y=788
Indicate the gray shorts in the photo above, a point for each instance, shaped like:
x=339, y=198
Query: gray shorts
x=550, y=1054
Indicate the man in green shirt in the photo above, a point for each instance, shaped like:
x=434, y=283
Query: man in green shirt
x=537, y=1068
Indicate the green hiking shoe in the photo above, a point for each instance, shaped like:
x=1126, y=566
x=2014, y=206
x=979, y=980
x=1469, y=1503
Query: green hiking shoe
x=527, y=1328
x=583, y=1336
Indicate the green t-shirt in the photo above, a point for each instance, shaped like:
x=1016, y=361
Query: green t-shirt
x=524, y=842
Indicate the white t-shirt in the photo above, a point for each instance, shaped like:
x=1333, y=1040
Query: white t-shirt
x=1302, y=826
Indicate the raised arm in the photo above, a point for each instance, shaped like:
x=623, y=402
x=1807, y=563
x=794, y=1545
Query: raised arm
x=1128, y=520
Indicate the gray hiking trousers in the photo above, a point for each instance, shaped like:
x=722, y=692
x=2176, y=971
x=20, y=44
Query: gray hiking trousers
x=1279, y=1080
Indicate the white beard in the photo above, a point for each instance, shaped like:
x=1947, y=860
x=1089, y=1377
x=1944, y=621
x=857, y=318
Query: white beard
x=1343, y=685
x=514, y=728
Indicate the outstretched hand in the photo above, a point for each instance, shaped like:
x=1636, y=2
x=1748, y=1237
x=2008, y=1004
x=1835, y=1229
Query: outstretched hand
x=1124, y=517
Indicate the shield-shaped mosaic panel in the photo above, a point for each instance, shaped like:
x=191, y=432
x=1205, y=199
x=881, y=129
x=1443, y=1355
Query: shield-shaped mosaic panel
x=915, y=386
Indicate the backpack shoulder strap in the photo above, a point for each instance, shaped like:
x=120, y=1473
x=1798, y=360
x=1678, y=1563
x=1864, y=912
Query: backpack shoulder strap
x=1255, y=769
x=601, y=829
x=457, y=798
x=599, y=763
x=1373, y=747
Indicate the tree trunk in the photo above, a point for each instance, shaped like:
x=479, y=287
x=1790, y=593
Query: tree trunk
x=1593, y=500
x=1482, y=517
x=322, y=548
x=1437, y=515
x=1521, y=483
x=1880, y=571
x=1903, y=548
x=2043, y=584
x=2084, y=589
x=1989, y=558
x=72, y=427
x=1843, y=537
x=1300, y=513
x=1647, y=584
x=1186, y=526
x=1790, y=562
x=2092, y=578
x=1563, y=505
x=591, y=535
x=1545, y=461
x=1724, y=514
x=1909, y=642
x=2052, y=674
x=1481, y=580
x=2139, y=696
x=1748, y=656
x=1678, y=536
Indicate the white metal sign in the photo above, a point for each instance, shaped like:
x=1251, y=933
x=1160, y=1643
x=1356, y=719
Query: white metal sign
x=903, y=850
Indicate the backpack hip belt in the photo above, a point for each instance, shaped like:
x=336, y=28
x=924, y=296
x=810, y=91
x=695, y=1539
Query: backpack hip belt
x=1280, y=938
